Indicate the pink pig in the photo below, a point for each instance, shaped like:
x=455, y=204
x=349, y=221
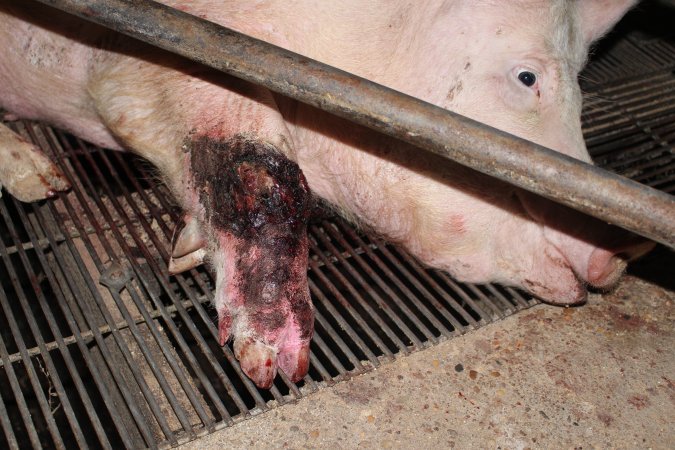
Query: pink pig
x=242, y=160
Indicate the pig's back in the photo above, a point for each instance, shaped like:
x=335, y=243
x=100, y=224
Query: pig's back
x=361, y=37
x=49, y=56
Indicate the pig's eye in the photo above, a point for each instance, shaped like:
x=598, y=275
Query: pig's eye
x=527, y=78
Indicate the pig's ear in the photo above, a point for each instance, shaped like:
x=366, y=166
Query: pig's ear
x=599, y=16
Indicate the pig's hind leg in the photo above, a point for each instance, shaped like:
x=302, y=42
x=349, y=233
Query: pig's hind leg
x=25, y=171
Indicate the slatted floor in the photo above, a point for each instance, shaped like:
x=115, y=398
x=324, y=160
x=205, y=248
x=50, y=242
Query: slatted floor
x=101, y=348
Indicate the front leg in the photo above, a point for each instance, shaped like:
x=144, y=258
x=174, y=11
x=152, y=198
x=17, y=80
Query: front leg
x=254, y=203
x=223, y=148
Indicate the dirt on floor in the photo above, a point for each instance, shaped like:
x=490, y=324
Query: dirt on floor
x=597, y=376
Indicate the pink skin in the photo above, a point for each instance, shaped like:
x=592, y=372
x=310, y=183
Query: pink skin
x=463, y=55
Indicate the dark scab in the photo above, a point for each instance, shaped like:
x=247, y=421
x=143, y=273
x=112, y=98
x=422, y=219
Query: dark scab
x=246, y=186
x=264, y=318
x=303, y=314
x=252, y=192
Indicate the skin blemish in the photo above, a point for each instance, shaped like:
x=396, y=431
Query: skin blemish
x=456, y=224
x=453, y=91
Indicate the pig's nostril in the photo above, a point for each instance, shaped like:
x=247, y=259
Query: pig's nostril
x=605, y=269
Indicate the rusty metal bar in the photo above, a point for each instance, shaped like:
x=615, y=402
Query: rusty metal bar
x=530, y=166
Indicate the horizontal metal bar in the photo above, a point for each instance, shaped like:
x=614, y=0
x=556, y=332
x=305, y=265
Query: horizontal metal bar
x=530, y=166
x=103, y=329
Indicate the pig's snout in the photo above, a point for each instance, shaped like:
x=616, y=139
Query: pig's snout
x=605, y=267
x=597, y=253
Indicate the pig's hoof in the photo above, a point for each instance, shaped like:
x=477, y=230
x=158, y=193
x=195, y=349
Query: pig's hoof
x=8, y=117
x=188, y=244
x=30, y=183
x=260, y=361
x=257, y=360
x=26, y=172
x=187, y=262
x=187, y=237
x=294, y=362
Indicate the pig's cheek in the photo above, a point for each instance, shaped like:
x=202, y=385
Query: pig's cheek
x=525, y=259
x=547, y=275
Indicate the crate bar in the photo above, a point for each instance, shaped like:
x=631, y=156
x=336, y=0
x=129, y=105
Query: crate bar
x=340, y=232
x=106, y=352
x=421, y=274
x=320, y=298
x=607, y=196
x=61, y=343
x=335, y=337
x=116, y=333
x=391, y=295
x=16, y=389
x=88, y=335
x=82, y=345
x=372, y=293
x=19, y=337
x=356, y=300
x=6, y=424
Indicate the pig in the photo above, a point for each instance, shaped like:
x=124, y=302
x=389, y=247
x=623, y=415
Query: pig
x=244, y=162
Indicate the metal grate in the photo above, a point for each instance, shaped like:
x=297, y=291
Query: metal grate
x=629, y=110
x=101, y=348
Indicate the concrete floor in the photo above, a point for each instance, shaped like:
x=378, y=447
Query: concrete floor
x=597, y=376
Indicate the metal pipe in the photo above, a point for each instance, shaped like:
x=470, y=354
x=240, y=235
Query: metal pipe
x=587, y=188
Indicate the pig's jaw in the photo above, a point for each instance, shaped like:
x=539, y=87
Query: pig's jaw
x=254, y=204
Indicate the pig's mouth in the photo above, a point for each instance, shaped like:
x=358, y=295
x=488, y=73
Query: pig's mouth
x=595, y=253
x=255, y=204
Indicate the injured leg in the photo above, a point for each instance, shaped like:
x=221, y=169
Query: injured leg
x=255, y=206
